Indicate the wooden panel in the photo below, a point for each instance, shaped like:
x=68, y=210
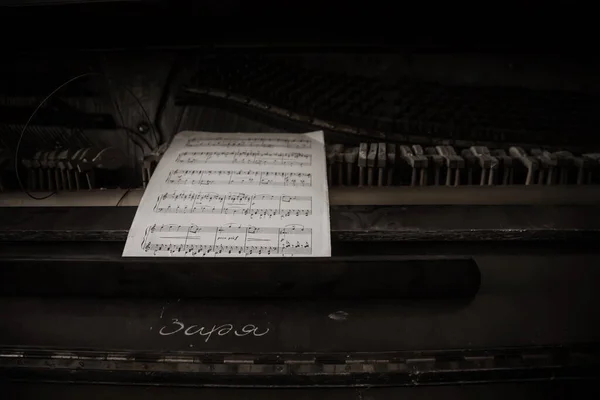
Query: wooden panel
x=348, y=223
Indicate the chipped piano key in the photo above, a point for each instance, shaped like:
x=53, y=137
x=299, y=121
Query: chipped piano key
x=417, y=163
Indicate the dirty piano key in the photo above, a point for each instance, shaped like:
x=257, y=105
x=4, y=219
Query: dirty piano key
x=351, y=158
x=371, y=162
x=529, y=162
x=454, y=163
x=330, y=157
x=582, y=164
x=408, y=156
x=381, y=162
x=338, y=151
x=565, y=163
x=507, y=165
x=436, y=161
x=418, y=164
x=391, y=163
x=594, y=159
x=471, y=164
x=423, y=162
x=362, y=163
x=552, y=161
x=548, y=163
x=487, y=163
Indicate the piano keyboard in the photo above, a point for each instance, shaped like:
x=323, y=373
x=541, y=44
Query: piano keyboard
x=390, y=164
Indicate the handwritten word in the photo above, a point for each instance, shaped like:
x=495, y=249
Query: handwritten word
x=177, y=326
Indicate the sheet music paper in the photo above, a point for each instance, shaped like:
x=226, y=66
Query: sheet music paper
x=235, y=195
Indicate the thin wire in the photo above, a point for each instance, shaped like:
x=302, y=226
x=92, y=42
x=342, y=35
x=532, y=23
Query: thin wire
x=123, y=197
x=27, y=125
x=133, y=132
x=156, y=137
x=128, y=130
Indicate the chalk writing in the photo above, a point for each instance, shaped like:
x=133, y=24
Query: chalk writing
x=178, y=327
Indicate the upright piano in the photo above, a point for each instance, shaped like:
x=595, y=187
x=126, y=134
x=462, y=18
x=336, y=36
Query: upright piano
x=464, y=203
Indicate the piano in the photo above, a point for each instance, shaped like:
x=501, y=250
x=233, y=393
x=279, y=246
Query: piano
x=464, y=191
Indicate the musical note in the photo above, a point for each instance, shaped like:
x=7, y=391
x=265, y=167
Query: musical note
x=244, y=157
x=254, y=206
x=227, y=240
x=241, y=177
x=296, y=143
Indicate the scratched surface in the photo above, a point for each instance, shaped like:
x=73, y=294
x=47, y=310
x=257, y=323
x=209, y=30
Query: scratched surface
x=523, y=300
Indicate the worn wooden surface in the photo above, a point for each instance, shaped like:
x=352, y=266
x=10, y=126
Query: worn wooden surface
x=523, y=300
x=109, y=275
x=513, y=195
x=446, y=223
x=515, y=391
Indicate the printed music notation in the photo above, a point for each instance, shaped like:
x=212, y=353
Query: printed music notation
x=296, y=143
x=241, y=177
x=227, y=240
x=256, y=205
x=235, y=195
x=244, y=157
